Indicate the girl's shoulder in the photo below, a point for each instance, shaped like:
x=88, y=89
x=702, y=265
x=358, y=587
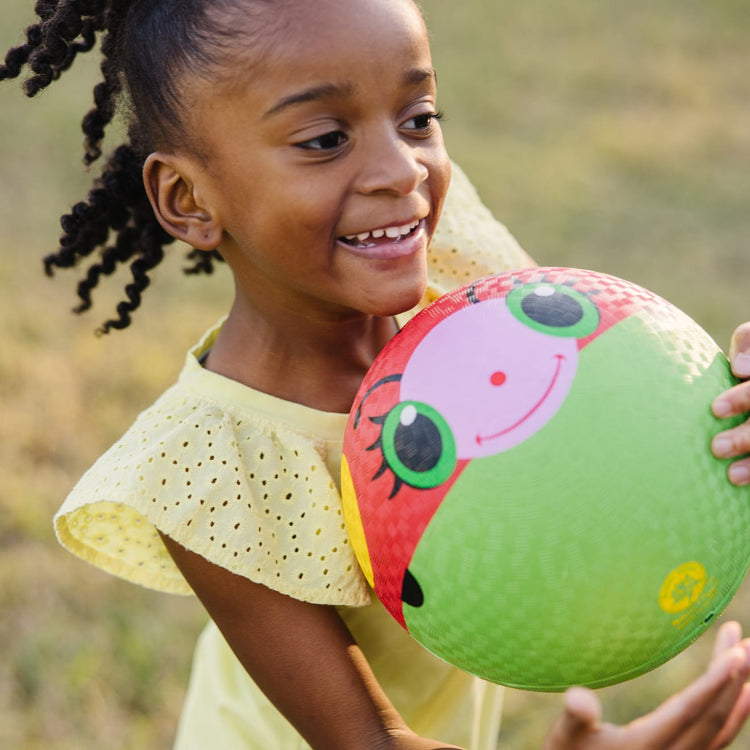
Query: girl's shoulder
x=244, y=479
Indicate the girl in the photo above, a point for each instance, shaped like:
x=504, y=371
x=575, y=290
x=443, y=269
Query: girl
x=300, y=141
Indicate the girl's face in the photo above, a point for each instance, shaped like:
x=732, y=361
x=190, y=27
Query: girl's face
x=323, y=161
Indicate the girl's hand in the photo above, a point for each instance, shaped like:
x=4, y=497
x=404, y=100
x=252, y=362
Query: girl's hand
x=736, y=442
x=706, y=715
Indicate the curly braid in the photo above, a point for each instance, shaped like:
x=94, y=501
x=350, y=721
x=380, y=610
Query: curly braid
x=147, y=46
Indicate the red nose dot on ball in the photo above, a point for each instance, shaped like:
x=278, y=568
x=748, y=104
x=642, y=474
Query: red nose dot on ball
x=497, y=378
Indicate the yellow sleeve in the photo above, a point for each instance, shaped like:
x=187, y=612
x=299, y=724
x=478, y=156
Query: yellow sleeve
x=242, y=489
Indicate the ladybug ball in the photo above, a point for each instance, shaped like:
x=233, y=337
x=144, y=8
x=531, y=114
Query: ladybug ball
x=528, y=483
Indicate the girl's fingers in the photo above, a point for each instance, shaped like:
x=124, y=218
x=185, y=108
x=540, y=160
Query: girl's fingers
x=727, y=636
x=739, y=351
x=581, y=716
x=732, y=402
x=582, y=707
x=735, y=401
x=735, y=442
x=739, y=472
x=732, y=444
x=706, y=701
x=736, y=720
x=712, y=727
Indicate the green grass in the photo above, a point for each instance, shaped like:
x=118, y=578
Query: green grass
x=605, y=135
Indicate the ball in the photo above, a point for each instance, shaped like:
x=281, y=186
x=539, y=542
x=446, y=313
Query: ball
x=528, y=483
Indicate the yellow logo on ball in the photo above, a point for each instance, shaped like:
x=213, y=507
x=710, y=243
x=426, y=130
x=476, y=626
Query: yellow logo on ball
x=682, y=587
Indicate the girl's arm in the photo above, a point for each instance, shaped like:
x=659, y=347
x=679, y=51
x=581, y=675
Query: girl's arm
x=303, y=658
x=736, y=442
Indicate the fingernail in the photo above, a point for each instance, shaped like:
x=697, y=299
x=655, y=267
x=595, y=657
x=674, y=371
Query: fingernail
x=722, y=447
x=741, y=364
x=739, y=474
x=721, y=407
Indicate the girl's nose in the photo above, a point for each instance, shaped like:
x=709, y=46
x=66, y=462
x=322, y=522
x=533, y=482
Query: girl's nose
x=393, y=166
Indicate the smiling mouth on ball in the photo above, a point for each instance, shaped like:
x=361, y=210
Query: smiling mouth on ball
x=558, y=366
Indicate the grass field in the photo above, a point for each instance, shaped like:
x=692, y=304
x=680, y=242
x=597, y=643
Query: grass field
x=606, y=135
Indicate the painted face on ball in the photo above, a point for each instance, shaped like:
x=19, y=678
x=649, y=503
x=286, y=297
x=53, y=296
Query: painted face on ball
x=495, y=395
x=465, y=394
x=482, y=380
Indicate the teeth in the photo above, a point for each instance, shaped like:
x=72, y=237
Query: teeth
x=390, y=232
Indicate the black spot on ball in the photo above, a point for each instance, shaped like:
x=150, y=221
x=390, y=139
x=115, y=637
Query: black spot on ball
x=411, y=591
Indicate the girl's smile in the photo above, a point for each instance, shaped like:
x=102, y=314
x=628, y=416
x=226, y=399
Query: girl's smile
x=395, y=233
x=388, y=242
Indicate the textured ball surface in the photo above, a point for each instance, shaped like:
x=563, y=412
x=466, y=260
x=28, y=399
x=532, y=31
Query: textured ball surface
x=528, y=483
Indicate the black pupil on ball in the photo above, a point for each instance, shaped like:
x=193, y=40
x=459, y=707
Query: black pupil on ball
x=557, y=310
x=418, y=445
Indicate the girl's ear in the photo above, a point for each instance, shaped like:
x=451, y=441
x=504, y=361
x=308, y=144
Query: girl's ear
x=177, y=205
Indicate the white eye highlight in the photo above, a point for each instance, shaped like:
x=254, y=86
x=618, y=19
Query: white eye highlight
x=408, y=415
x=544, y=291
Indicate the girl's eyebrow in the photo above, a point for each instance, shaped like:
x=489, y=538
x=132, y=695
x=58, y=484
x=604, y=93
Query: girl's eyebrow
x=340, y=91
x=324, y=91
x=419, y=75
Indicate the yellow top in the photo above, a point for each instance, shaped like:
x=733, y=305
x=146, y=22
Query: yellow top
x=251, y=482
x=248, y=480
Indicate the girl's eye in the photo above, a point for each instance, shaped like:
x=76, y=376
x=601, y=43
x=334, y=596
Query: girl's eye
x=326, y=142
x=423, y=122
x=555, y=309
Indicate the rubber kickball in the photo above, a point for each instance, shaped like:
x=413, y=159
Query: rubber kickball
x=528, y=483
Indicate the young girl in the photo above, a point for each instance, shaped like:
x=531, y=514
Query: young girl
x=300, y=142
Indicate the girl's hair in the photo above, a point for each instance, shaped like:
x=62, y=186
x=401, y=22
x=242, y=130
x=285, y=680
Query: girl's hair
x=147, y=48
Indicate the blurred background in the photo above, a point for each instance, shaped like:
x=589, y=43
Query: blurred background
x=613, y=136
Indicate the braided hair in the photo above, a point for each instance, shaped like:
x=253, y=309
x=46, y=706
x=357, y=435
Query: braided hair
x=146, y=47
